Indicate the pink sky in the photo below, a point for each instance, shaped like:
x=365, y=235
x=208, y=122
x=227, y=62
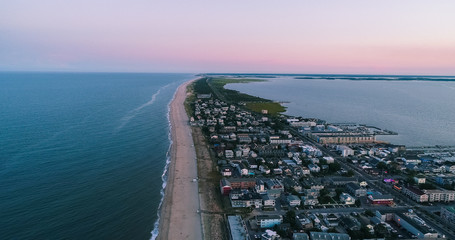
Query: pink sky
x=368, y=37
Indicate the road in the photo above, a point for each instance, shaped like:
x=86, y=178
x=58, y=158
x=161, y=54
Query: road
x=432, y=220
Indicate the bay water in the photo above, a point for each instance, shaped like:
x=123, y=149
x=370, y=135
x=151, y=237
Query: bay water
x=420, y=108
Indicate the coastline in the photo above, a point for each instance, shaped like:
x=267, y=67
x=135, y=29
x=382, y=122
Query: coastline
x=179, y=217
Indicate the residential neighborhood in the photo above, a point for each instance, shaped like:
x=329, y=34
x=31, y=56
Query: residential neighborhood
x=290, y=177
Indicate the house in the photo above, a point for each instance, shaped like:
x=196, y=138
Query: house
x=264, y=169
x=291, y=183
x=300, y=236
x=314, y=168
x=448, y=214
x=245, y=199
x=314, y=160
x=226, y=171
x=242, y=169
x=235, y=183
x=329, y=160
x=260, y=187
x=309, y=200
x=293, y=200
x=244, y=138
x=345, y=151
x=415, y=225
x=356, y=190
x=233, y=136
x=268, y=201
x=444, y=180
x=338, y=181
x=415, y=194
x=347, y=199
x=237, y=228
x=238, y=153
x=273, y=183
x=331, y=220
x=268, y=221
x=225, y=186
x=229, y=153
x=252, y=163
x=329, y=236
x=350, y=223
x=305, y=171
x=304, y=221
x=411, y=222
x=377, y=199
x=277, y=171
x=270, y=235
x=419, y=179
x=440, y=195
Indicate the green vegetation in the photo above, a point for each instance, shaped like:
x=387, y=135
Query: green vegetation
x=427, y=186
x=273, y=108
x=363, y=233
x=190, y=99
x=256, y=104
x=349, y=173
x=201, y=87
x=289, y=217
x=334, y=167
x=369, y=213
x=217, y=86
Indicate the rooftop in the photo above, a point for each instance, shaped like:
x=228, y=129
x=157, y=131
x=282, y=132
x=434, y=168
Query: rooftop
x=450, y=209
x=237, y=228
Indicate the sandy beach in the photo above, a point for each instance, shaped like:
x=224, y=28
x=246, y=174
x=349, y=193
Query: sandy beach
x=180, y=218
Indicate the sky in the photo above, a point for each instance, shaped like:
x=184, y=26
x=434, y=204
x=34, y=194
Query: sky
x=248, y=36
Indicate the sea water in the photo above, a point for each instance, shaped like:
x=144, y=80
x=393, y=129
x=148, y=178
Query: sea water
x=421, y=109
x=82, y=154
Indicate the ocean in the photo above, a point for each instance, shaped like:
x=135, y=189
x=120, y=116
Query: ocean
x=82, y=155
x=420, y=108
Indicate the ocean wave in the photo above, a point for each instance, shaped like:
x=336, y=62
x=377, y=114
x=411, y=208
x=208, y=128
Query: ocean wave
x=133, y=113
x=164, y=176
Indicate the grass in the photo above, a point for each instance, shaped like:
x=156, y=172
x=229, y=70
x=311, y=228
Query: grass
x=217, y=85
x=189, y=100
x=253, y=103
x=273, y=108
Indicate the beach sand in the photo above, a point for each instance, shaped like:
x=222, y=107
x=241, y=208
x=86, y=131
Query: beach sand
x=180, y=218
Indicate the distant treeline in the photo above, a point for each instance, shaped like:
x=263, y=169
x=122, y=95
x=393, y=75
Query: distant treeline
x=215, y=86
x=385, y=78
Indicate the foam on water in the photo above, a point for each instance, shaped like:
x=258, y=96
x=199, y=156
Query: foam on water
x=133, y=113
x=164, y=175
x=65, y=170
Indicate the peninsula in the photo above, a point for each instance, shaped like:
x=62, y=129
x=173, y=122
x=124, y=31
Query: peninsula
x=241, y=169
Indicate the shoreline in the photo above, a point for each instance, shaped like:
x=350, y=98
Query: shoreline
x=179, y=211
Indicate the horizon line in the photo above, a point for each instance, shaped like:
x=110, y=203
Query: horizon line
x=226, y=73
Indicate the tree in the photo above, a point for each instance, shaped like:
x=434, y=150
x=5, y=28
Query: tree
x=334, y=167
x=369, y=213
x=339, y=191
x=289, y=217
x=381, y=166
x=325, y=199
x=426, y=186
x=323, y=192
x=350, y=173
x=358, y=203
x=380, y=230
